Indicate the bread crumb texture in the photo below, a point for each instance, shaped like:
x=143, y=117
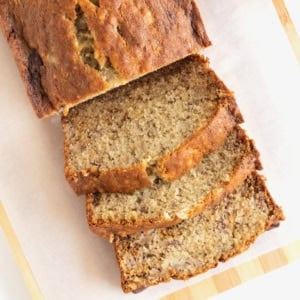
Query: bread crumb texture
x=163, y=123
x=198, y=244
x=220, y=172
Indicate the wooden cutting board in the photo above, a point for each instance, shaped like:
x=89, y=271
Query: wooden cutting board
x=288, y=26
x=235, y=276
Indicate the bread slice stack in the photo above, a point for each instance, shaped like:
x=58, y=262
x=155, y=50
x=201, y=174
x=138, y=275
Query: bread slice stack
x=159, y=126
x=170, y=177
x=198, y=244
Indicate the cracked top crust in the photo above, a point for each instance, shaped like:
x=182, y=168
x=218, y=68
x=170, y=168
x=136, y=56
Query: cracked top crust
x=71, y=51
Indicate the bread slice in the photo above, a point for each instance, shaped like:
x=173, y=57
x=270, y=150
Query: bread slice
x=71, y=51
x=197, y=245
x=158, y=126
x=165, y=204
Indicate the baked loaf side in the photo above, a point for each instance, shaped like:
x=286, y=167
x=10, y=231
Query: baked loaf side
x=71, y=51
x=28, y=60
x=159, y=126
x=199, y=244
x=164, y=204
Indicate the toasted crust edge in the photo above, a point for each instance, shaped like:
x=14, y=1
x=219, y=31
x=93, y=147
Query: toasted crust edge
x=28, y=63
x=274, y=221
x=122, y=180
x=248, y=163
x=198, y=25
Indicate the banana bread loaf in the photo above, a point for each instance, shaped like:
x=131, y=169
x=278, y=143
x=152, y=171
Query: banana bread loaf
x=164, y=204
x=160, y=125
x=198, y=244
x=71, y=51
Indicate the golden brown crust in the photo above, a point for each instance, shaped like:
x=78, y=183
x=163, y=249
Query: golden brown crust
x=248, y=163
x=275, y=216
x=126, y=38
x=171, y=166
x=117, y=180
x=27, y=60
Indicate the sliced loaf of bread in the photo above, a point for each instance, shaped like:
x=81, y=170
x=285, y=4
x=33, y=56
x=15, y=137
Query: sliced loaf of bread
x=198, y=244
x=159, y=126
x=164, y=204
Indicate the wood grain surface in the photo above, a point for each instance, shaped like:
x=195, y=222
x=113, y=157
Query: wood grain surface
x=288, y=26
x=235, y=276
x=15, y=246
